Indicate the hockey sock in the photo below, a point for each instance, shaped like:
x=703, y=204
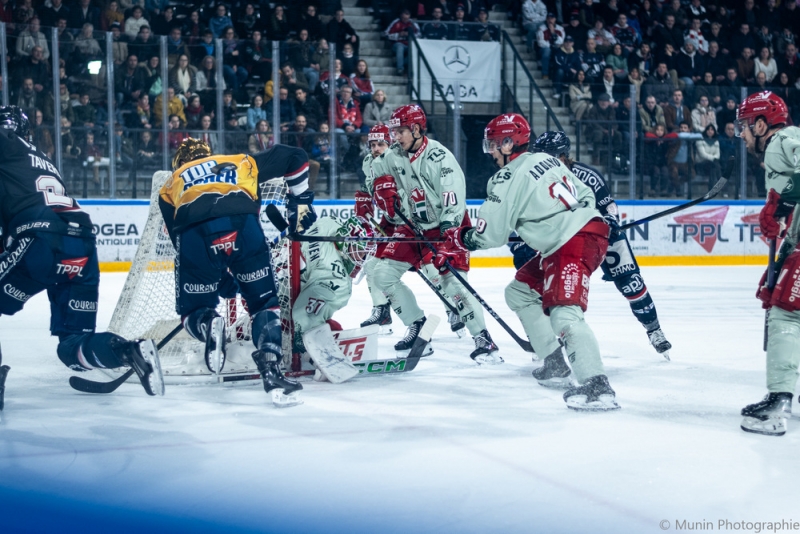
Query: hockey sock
x=783, y=353
x=644, y=309
x=580, y=343
x=267, y=331
x=196, y=323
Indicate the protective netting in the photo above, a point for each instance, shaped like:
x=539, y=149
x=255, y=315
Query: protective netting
x=146, y=307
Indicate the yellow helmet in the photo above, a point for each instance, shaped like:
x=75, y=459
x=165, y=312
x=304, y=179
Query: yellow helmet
x=190, y=150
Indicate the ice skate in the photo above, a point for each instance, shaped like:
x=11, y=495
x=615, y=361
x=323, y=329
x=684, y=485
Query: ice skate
x=381, y=316
x=769, y=416
x=215, y=344
x=659, y=342
x=554, y=373
x=456, y=325
x=595, y=395
x=142, y=357
x=407, y=343
x=284, y=391
x=485, y=350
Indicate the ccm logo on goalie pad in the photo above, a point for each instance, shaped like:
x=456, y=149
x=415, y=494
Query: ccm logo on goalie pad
x=226, y=244
x=72, y=267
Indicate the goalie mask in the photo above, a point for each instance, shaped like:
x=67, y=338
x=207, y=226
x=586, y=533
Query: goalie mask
x=356, y=253
x=190, y=150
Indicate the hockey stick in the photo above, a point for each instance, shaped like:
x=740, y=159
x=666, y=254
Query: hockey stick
x=714, y=191
x=771, y=279
x=525, y=344
x=4, y=369
x=90, y=386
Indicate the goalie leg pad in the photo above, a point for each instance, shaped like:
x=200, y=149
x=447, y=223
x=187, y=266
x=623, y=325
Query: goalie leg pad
x=580, y=343
x=327, y=355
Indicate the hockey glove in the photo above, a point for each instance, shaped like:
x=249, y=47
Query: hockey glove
x=771, y=214
x=363, y=204
x=764, y=293
x=522, y=253
x=613, y=223
x=385, y=194
x=453, y=247
x=299, y=211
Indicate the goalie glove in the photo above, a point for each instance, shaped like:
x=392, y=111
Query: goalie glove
x=769, y=220
x=363, y=206
x=299, y=211
x=385, y=195
x=453, y=247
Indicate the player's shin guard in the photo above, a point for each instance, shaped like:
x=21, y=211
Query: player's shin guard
x=267, y=339
x=580, y=344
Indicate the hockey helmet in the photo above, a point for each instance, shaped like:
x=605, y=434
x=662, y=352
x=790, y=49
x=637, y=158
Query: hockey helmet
x=766, y=105
x=380, y=132
x=510, y=128
x=554, y=143
x=408, y=116
x=14, y=119
x=357, y=253
x=189, y=150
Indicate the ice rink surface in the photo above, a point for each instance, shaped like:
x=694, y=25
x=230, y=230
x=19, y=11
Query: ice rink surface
x=449, y=447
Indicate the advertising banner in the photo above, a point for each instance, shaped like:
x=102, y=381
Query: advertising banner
x=471, y=67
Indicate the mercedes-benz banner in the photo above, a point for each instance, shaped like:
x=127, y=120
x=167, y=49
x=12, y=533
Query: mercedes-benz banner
x=471, y=67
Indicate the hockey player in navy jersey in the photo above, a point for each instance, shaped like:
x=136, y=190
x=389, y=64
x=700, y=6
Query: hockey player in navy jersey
x=49, y=244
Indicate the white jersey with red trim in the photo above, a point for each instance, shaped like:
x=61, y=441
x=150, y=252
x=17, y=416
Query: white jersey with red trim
x=537, y=196
x=432, y=183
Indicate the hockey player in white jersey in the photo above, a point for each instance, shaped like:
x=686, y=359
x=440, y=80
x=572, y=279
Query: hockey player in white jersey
x=325, y=287
x=537, y=196
x=761, y=122
x=423, y=178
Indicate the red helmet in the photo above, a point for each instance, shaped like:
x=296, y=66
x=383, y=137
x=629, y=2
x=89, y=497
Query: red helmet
x=380, y=132
x=765, y=104
x=511, y=126
x=408, y=116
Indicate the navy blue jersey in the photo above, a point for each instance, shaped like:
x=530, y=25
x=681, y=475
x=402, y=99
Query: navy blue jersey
x=32, y=196
x=592, y=177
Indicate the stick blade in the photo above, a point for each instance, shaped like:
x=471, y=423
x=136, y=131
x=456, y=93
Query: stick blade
x=275, y=217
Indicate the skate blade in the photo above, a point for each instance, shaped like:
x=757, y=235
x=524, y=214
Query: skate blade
x=460, y=332
x=665, y=354
x=604, y=403
x=216, y=358
x=150, y=354
x=282, y=400
x=489, y=359
x=386, y=330
x=774, y=426
x=556, y=383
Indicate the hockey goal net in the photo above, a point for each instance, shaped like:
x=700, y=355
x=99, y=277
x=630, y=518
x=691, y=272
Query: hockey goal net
x=146, y=307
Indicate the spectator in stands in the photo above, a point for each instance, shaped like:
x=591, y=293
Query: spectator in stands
x=669, y=33
x=278, y=26
x=164, y=22
x=377, y=111
x=592, y=62
x=291, y=79
x=566, y=64
x=301, y=56
x=689, y=66
x=728, y=113
x=659, y=85
x=604, y=39
x=176, y=134
x=41, y=135
x=247, y=22
x=623, y=116
x=643, y=60
x=459, y=31
x=742, y=39
x=703, y=114
x=361, y=83
x=728, y=142
x=651, y=115
x=87, y=48
x=307, y=105
x=784, y=39
x=194, y=112
x=720, y=37
x=731, y=86
x=348, y=118
x=608, y=86
x=183, y=78
x=174, y=106
x=119, y=45
x=707, y=155
x=534, y=14
x=580, y=95
x=230, y=109
x=206, y=82
x=286, y=108
x=766, y=64
x=656, y=164
x=258, y=56
x=587, y=14
x=176, y=46
x=635, y=79
x=601, y=128
x=256, y=112
x=82, y=13
x=142, y=115
x=715, y=62
x=681, y=158
x=695, y=36
x=788, y=63
x=483, y=30
x=310, y=21
x=678, y=12
x=550, y=36
x=148, y=152
x=86, y=113
x=49, y=15
x=30, y=38
x=760, y=84
x=435, y=29
x=145, y=45
x=65, y=38
x=649, y=16
x=746, y=66
x=338, y=79
x=155, y=85
x=625, y=34
x=765, y=38
x=339, y=32
x=321, y=151
x=220, y=21
x=206, y=135
x=135, y=22
x=261, y=139
x=348, y=58
x=35, y=68
x=397, y=32
x=27, y=98
x=709, y=88
x=321, y=59
x=784, y=89
x=192, y=29
x=578, y=33
x=70, y=150
x=232, y=67
x=617, y=62
x=129, y=81
x=677, y=112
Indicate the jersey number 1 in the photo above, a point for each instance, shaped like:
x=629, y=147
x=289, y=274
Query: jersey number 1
x=53, y=191
x=565, y=192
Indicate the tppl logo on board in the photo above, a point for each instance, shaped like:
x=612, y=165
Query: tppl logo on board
x=705, y=227
x=72, y=267
x=226, y=244
x=751, y=222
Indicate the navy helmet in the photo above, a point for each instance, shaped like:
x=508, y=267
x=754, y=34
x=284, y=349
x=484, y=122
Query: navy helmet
x=14, y=119
x=554, y=143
